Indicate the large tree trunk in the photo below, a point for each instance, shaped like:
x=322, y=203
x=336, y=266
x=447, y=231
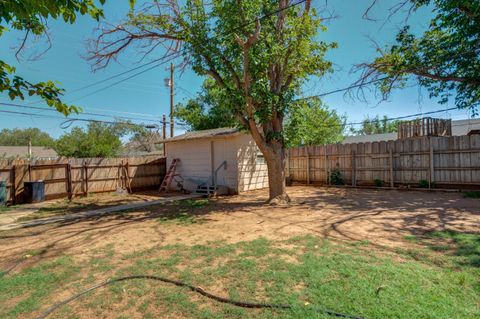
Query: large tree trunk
x=275, y=159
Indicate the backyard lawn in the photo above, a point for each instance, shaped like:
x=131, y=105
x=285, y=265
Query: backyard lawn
x=368, y=253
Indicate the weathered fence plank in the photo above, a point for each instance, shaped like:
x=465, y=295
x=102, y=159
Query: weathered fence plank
x=73, y=177
x=441, y=161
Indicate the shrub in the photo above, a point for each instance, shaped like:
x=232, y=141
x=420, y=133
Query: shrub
x=423, y=183
x=471, y=194
x=378, y=182
x=336, y=177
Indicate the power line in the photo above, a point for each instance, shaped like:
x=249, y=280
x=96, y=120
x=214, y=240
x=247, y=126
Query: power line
x=83, y=113
x=186, y=91
x=402, y=117
x=341, y=90
x=120, y=81
x=421, y=114
x=115, y=76
x=172, y=54
x=119, y=112
x=71, y=120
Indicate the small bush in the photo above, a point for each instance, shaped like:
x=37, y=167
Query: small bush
x=471, y=194
x=378, y=182
x=423, y=183
x=336, y=177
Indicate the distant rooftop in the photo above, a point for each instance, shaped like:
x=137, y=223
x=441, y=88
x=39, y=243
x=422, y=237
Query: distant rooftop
x=22, y=151
x=217, y=132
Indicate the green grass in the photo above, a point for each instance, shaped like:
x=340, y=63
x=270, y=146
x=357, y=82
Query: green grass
x=306, y=272
x=5, y=209
x=464, y=248
x=25, y=292
x=185, y=212
x=471, y=194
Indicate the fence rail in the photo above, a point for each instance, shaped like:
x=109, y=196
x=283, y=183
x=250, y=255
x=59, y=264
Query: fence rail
x=72, y=177
x=441, y=161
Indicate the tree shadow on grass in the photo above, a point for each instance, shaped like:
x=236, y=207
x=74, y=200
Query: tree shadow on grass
x=464, y=246
x=82, y=232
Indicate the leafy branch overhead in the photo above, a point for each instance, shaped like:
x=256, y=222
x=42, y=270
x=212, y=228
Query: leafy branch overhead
x=206, y=111
x=30, y=17
x=445, y=58
x=310, y=122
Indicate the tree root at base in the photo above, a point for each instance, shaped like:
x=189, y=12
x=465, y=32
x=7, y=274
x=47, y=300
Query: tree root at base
x=283, y=199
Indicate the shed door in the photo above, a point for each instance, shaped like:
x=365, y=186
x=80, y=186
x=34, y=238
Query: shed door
x=218, y=155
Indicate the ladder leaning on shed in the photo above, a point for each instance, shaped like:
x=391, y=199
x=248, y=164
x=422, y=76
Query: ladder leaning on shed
x=167, y=180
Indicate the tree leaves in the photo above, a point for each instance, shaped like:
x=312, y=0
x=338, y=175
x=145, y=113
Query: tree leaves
x=98, y=140
x=21, y=137
x=445, y=59
x=309, y=122
x=208, y=110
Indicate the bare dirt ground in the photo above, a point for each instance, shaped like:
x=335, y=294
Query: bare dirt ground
x=63, y=206
x=381, y=217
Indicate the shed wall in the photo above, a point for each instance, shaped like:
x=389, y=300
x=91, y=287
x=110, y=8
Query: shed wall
x=252, y=169
x=195, y=164
x=245, y=171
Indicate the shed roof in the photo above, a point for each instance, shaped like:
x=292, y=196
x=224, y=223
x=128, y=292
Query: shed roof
x=213, y=133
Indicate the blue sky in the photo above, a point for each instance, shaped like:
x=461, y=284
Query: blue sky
x=147, y=93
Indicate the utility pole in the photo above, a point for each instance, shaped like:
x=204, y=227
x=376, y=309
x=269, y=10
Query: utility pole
x=29, y=147
x=164, y=127
x=164, y=132
x=171, y=99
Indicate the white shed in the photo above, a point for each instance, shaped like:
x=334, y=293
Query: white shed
x=225, y=153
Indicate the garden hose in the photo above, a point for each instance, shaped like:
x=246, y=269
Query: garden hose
x=196, y=289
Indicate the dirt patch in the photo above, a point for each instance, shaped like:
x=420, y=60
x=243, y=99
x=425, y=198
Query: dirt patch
x=83, y=203
x=380, y=217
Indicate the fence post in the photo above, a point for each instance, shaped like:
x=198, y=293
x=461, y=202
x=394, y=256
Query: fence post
x=432, y=169
x=308, y=165
x=29, y=172
x=13, y=190
x=68, y=173
x=20, y=176
x=327, y=179
x=390, y=153
x=354, y=169
x=127, y=178
x=85, y=178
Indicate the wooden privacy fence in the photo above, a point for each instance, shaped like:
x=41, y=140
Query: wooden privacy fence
x=71, y=177
x=452, y=161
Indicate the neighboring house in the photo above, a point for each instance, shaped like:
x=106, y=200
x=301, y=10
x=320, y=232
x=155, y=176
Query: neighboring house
x=459, y=128
x=23, y=152
x=202, y=153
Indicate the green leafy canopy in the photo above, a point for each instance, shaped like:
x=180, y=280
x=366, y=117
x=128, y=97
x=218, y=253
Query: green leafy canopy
x=21, y=137
x=98, y=140
x=309, y=122
x=208, y=110
x=376, y=125
x=445, y=58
